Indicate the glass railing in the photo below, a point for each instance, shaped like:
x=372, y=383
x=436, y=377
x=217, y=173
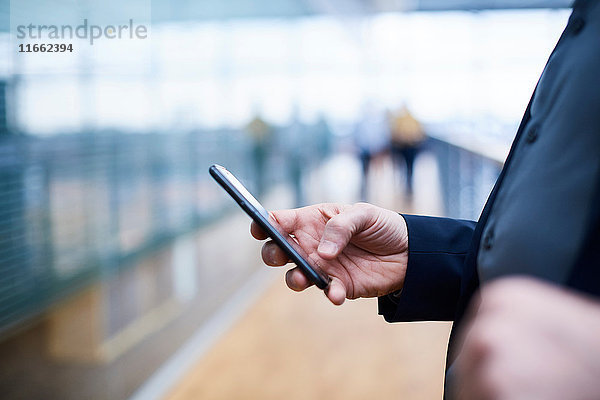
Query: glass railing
x=75, y=209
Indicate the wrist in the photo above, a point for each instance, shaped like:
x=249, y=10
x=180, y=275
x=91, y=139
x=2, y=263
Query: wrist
x=404, y=240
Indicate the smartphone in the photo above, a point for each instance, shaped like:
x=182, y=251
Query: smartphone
x=261, y=216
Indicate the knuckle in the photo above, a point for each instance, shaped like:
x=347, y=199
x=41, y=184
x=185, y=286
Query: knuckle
x=367, y=212
x=481, y=339
x=481, y=342
x=362, y=206
x=337, y=223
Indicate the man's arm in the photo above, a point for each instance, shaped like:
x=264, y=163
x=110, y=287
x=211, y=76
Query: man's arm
x=367, y=250
x=436, y=252
x=363, y=248
x=527, y=339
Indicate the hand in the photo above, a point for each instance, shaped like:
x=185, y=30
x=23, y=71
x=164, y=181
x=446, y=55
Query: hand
x=363, y=248
x=530, y=340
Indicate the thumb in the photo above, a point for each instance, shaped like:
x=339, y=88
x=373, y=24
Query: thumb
x=340, y=229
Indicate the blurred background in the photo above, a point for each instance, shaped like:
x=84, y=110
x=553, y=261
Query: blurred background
x=126, y=273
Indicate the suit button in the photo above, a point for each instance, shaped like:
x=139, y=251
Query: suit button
x=577, y=25
x=488, y=240
x=532, y=135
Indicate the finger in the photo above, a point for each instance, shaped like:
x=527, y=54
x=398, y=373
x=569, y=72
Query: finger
x=289, y=219
x=340, y=229
x=257, y=232
x=272, y=255
x=336, y=292
x=296, y=280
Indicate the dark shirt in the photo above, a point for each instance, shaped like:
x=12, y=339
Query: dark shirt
x=543, y=216
x=538, y=219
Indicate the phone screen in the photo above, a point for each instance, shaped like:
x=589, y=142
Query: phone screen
x=262, y=217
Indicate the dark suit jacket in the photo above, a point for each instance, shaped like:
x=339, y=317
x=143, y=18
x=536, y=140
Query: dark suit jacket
x=442, y=274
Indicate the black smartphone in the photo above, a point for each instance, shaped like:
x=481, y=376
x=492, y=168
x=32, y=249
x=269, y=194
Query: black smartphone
x=261, y=216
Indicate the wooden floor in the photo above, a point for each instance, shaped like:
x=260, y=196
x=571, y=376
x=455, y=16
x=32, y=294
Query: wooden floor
x=299, y=346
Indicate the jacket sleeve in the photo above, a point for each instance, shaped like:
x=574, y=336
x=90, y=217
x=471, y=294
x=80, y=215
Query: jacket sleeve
x=437, y=251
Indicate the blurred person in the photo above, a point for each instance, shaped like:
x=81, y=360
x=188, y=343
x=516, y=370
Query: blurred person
x=528, y=271
x=407, y=136
x=261, y=134
x=371, y=138
x=323, y=137
x=299, y=155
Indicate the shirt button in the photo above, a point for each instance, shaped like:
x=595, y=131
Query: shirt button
x=488, y=240
x=577, y=25
x=532, y=135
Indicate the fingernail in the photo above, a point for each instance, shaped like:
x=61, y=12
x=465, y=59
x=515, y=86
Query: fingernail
x=327, y=247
